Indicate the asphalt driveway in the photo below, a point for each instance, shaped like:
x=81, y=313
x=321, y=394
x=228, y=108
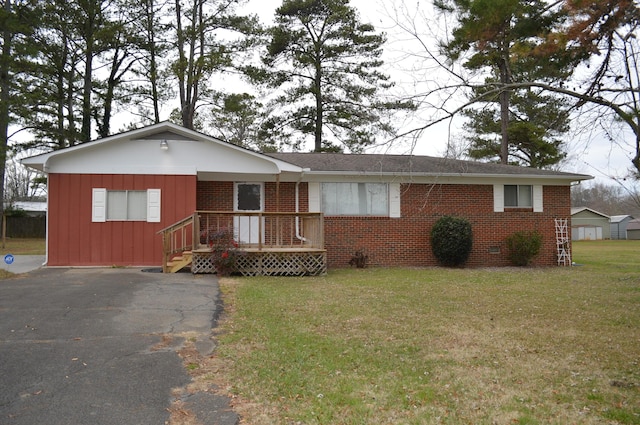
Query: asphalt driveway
x=89, y=346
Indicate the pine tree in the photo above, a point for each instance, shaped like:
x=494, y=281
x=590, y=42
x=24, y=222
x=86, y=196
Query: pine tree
x=327, y=63
x=507, y=39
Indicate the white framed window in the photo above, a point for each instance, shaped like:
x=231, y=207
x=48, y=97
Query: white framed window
x=518, y=196
x=126, y=205
x=357, y=199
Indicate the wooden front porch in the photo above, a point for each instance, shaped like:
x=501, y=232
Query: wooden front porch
x=263, y=244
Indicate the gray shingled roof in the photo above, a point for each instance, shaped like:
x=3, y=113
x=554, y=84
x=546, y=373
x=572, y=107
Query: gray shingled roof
x=410, y=164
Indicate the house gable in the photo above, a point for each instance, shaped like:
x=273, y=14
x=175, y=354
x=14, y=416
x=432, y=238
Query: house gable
x=163, y=149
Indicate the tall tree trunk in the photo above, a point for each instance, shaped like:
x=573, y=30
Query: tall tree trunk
x=72, y=136
x=60, y=100
x=153, y=64
x=115, y=77
x=319, y=109
x=504, y=125
x=85, y=132
x=182, y=62
x=5, y=86
x=505, y=78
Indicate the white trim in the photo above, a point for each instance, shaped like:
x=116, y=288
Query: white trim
x=537, y=198
x=498, y=198
x=394, y=200
x=121, y=153
x=247, y=229
x=99, y=205
x=314, y=196
x=153, y=205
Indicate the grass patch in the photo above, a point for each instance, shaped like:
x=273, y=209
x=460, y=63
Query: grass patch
x=20, y=247
x=23, y=247
x=422, y=346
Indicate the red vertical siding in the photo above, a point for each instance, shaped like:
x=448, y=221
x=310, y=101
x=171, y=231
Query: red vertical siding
x=74, y=240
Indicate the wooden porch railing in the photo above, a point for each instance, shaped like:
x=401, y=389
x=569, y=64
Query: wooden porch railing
x=253, y=231
x=178, y=238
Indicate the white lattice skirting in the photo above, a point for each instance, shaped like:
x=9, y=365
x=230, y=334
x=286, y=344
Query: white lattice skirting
x=267, y=263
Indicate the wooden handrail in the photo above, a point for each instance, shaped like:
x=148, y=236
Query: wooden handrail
x=269, y=230
x=171, y=246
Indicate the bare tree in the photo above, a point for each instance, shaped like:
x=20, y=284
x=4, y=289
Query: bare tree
x=599, y=42
x=21, y=183
x=208, y=34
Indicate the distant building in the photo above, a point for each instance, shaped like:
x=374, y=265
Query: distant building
x=588, y=224
x=31, y=208
x=619, y=225
x=633, y=229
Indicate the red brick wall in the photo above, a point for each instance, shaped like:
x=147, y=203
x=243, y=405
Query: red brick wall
x=214, y=196
x=218, y=196
x=405, y=241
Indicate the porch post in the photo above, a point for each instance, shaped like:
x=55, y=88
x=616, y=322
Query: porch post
x=277, y=192
x=195, y=241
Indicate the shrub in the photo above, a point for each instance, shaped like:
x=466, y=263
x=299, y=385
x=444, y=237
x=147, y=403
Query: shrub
x=451, y=240
x=523, y=246
x=359, y=259
x=225, y=251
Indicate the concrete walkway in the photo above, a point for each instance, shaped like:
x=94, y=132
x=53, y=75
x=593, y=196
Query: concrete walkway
x=22, y=263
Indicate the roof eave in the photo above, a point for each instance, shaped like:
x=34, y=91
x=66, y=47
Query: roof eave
x=567, y=177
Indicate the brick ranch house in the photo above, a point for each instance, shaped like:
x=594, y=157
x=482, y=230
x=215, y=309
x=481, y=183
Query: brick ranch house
x=147, y=196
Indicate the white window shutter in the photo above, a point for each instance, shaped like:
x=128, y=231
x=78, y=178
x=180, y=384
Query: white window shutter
x=153, y=205
x=394, y=200
x=498, y=198
x=99, y=205
x=537, y=198
x=314, y=196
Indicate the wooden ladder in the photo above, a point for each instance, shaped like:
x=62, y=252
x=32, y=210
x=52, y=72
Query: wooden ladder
x=179, y=262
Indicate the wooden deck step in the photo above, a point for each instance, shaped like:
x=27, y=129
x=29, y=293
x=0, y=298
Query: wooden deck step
x=178, y=263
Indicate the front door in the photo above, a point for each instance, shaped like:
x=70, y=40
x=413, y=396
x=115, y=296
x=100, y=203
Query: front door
x=248, y=197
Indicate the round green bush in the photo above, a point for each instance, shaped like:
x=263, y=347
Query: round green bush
x=451, y=240
x=523, y=246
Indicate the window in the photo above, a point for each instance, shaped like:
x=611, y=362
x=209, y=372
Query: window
x=355, y=199
x=126, y=205
x=248, y=197
x=518, y=196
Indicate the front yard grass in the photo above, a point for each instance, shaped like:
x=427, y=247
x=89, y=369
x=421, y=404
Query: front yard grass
x=18, y=246
x=436, y=345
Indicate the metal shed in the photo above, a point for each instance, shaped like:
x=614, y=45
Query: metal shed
x=619, y=225
x=633, y=229
x=588, y=224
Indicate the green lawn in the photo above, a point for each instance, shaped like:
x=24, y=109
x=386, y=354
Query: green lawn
x=428, y=346
x=22, y=246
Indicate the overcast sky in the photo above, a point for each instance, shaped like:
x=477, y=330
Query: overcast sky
x=589, y=151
